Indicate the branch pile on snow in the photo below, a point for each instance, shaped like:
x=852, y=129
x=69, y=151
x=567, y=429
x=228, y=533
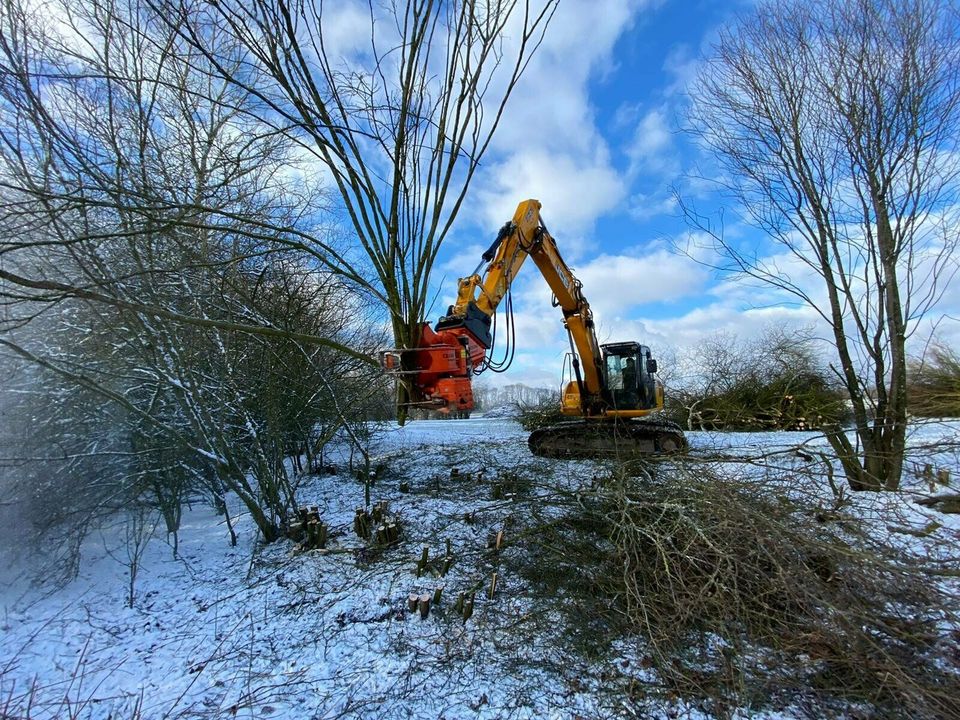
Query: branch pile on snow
x=738, y=593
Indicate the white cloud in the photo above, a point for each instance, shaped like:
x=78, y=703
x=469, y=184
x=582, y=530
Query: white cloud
x=618, y=285
x=548, y=145
x=346, y=30
x=463, y=262
x=643, y=207
x=573, y=191
x=682, y=65
x=651, y=149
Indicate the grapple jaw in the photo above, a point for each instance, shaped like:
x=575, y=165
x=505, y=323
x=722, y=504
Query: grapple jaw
x=439, y=370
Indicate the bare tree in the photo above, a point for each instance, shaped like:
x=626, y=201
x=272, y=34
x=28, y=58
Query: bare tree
x=401, y=125
x=155, y=262
x=835, y=125
x=112, y=130
x=138, y=531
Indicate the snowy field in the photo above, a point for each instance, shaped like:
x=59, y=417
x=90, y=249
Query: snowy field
x=261, y=632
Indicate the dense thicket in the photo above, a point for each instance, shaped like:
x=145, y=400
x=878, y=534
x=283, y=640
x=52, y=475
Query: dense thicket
x=777, y=381
x=934, y=383
x=172, y=320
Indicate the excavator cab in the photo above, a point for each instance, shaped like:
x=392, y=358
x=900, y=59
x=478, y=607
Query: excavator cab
x=629, y=373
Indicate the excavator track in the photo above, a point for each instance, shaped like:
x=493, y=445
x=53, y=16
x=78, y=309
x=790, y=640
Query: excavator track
x=615, y=439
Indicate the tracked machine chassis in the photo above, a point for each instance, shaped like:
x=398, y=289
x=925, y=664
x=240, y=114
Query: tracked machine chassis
x=613, y=439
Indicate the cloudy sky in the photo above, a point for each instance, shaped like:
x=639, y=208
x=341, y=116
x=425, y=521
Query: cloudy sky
x=595, y=133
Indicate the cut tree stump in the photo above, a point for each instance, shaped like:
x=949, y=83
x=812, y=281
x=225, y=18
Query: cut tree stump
x=424, y=606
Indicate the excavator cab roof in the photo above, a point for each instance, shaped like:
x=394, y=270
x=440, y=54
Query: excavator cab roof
x=623, y=348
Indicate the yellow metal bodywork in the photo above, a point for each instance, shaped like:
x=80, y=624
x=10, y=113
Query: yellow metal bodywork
x=528, y=237
x=570, y=404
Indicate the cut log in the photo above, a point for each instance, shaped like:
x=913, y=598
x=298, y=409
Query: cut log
x=947, y=503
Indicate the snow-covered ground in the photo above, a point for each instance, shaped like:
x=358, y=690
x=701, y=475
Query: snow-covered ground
x=258, y=631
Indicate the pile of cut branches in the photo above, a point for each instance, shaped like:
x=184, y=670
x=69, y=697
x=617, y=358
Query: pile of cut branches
x=739, y=596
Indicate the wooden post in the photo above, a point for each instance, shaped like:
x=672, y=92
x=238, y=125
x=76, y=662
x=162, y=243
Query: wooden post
x=437, y=594
x=468, y=608
x=412, y=600
x=424, y=606
x=493, y=586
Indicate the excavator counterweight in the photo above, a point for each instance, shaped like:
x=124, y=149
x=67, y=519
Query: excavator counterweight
x=613, y=390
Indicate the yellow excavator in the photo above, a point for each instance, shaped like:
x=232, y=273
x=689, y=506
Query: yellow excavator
x=612, y=388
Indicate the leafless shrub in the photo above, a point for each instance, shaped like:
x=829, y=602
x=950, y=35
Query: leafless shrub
x=776, y=382
x=934, y=383
x=543, y=413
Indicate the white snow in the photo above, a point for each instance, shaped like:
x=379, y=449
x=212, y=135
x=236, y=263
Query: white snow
x=257, y=631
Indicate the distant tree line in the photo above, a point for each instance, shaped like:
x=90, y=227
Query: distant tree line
x=778, y=381
x=781, y=381
x=489, y=397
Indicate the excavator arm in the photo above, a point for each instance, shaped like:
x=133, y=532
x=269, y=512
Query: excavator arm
x=527, y=236
x=444, y=360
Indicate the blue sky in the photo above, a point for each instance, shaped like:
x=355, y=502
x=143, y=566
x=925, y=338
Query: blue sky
x=595, y=132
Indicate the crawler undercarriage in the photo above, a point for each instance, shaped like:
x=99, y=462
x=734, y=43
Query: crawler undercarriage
x=623, y=439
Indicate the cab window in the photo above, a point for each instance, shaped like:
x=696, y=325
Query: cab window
x=615, y=372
